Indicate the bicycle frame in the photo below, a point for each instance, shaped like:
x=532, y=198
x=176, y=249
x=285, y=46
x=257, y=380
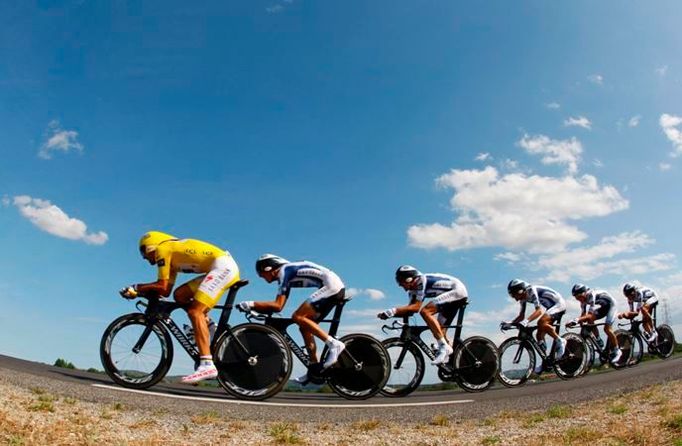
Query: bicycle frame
x=412, y=334
x=526, y=334
x=282, y=324
x=158, y=310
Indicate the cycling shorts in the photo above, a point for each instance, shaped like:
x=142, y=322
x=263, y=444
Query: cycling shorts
x=209, y=287
x=554, y=310
x=324, y=305
x=650, y=301
x=448, y=310
x=604, y=310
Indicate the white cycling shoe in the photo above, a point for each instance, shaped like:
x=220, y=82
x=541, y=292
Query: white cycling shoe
x=444, y=352
x=652, y=337
x=302, y=380
x=203, y=372
x=560, y=348
x=616, y=355
x=333, y=353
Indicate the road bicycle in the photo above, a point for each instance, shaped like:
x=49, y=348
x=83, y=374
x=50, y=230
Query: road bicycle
x=472, y=365
x=254, y=362
x=518, y=355
x=137, y=348
x=663, y=346
x=597, y=350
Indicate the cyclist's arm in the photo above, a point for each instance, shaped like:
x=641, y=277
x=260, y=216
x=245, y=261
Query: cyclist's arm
x=521, y=315
x=161, y=287
x=273, y=306
x=536, y=314
x=408, y=310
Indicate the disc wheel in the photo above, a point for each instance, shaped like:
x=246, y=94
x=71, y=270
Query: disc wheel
x=130, y=368
x=362, y=369
x=572, y=363
x=406, y=368
x=253, y=361
x=476, y=362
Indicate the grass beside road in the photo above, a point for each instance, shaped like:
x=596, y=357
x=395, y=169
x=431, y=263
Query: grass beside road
x=652, y=416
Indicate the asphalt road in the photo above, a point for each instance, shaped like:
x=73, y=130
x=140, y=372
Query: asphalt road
x=315, y=407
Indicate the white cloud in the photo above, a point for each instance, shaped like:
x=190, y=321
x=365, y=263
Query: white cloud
x=553, y=105
x=662, y=70
x=510, y=257
x=53, y=220
x=274, y=9
x=372, y=293
x=580, y=121
x=510, y=164
x=597, y=163
x=517, y=212
x=669, y=124
x=58, y=139
x=5, y=201
x=553, y=151
x=664, y=167
x=589, y=262
x=485, y=156
x=596, y=79
x=634, y=121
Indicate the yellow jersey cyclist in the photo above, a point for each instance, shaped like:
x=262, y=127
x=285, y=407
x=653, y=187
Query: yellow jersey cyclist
x=218, y=272
x=304, y=274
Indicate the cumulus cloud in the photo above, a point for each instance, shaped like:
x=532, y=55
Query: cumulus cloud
x=597, y=79
x=670, y=124
x=553, y=151
x=664, y=167
x=485, y=156
x=372, y=293
x=579, y=121
x=517, y=212
x=510, y=257
x=553, y=105
x=59, y=140
x=589, y=262
x=51, y=219
x=634, y=121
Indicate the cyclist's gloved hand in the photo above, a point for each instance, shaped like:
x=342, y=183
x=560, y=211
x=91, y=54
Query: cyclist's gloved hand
x=245, y=306
x=386, y=314
x=129, y=292
x=573, y=323
x=504, y=325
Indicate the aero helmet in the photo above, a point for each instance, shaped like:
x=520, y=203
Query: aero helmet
x=269, y=262
x=629, y=289
x=406, y=274
x=579, y=288
x=150, y=240
x=516, y=286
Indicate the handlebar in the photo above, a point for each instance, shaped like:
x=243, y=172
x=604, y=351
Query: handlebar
x=396, y=325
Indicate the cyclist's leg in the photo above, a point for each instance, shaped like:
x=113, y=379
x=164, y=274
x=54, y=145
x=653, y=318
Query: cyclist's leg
x=313, y=309
x=428, y=313
x=646, y=318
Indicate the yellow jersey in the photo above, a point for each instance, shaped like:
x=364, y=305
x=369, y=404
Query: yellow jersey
x=186, y=256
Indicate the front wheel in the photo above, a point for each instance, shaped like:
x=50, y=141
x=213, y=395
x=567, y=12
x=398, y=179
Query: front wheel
x=627, y=345
x=476, y=361
x=407, y=368
x=665, y=344
x=136, y=353
x=517, y=361
x=362, y=369
x=253, y=361
x=636, y=350
x=572, y=363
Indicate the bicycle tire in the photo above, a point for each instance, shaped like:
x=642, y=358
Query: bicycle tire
x=117, y=368
x=571, y=364
x=508, y=374
x=260, y=372
x=406, y=379
x=476, y=362
x=636, y=351
x=370, y=375
x=665, y=344
x=589, y=361
x=625, y=341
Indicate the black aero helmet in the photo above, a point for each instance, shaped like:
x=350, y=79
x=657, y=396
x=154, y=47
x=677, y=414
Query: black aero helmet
x=268, y=262
x=579, y=288
x=406, y=274
x=629, y=289
x=516, y=286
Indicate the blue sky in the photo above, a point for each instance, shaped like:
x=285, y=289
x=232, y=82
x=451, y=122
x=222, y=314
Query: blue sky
x=486, y=140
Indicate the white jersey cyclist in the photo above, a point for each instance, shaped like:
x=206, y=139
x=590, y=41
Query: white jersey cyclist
x=601, y=304
x=545, y=298
x=642, y=296
x=448, y=294
x=305, y=274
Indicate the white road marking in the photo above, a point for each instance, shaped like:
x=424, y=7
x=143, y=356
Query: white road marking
x=266, y=403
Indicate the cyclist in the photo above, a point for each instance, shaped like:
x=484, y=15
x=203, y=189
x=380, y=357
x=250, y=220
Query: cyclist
x=549, y=307
x=641, y=300
x=218, y=272
x=449, y=296
x=595, y=305
x=330, y=291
